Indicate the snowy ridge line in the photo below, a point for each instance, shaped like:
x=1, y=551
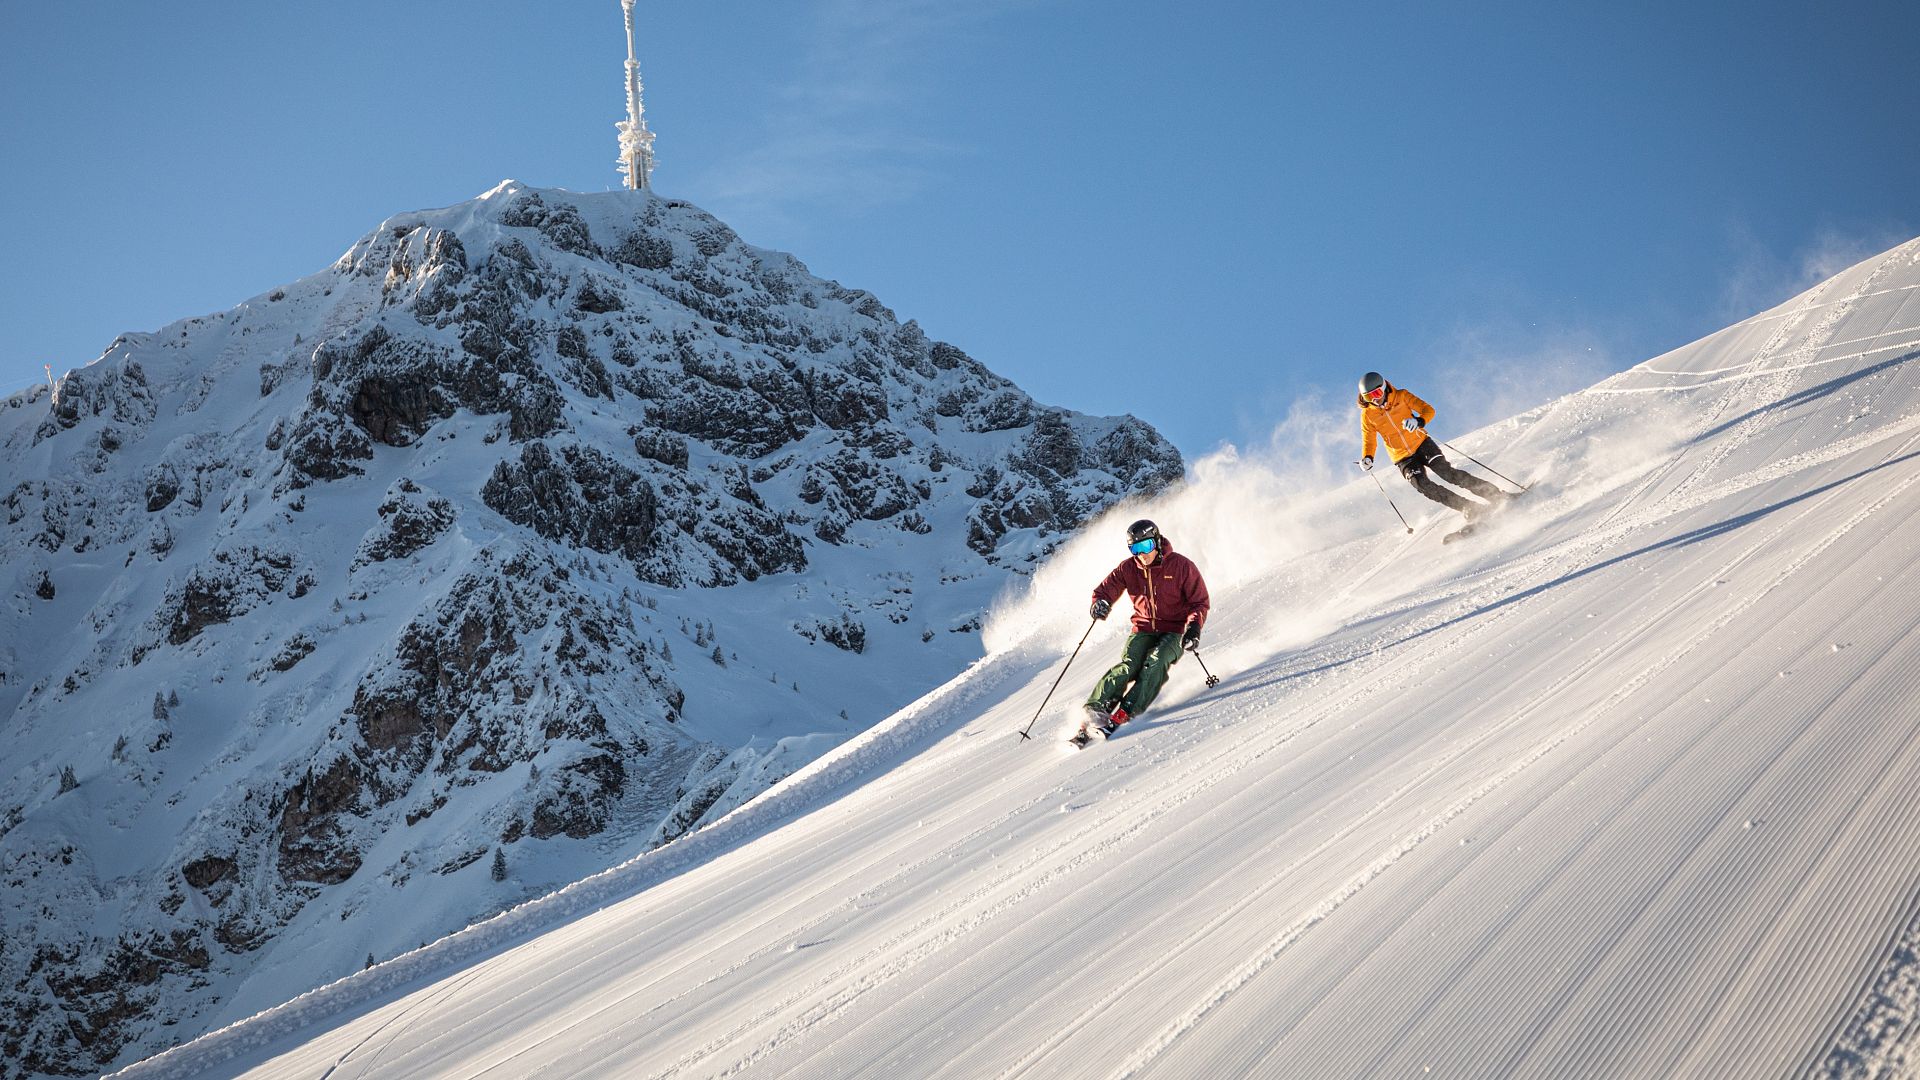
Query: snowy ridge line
x=1756, y=320
x=1823, y=329
x=1279, y=944
x=1775, y=388
x=1772, y=390
x=806, y=789
x=1648, y=369
x=1792, y=310
x=1747, y=371
x=1863, y=296
x=1768, y=316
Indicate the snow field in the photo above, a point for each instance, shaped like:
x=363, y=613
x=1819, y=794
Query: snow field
x=1628, y=784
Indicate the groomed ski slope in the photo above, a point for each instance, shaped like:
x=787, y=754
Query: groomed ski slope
x=1627, y=784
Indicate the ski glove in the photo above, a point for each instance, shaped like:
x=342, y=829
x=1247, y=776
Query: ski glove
x=1367, y=463
x=1100, y=609
x=1190, y=636
x=1413, y=423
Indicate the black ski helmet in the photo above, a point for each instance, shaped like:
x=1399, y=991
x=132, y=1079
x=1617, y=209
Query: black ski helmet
x=1142, y=529
x=1370, y=382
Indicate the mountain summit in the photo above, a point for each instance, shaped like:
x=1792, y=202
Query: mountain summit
x=534, y=533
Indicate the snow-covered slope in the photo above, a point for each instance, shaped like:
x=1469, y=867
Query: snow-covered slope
x=1628, y=785
x=532, y=534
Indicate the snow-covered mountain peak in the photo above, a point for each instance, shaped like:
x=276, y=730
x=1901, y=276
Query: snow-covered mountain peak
x=387, y=598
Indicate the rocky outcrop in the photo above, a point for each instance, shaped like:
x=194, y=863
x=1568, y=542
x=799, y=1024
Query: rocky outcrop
x=411, y=518
x=581, y=497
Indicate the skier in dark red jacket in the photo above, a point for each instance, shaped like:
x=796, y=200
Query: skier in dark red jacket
x=1169, y=606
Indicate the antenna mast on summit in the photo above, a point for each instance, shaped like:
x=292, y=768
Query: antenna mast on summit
x=636, y=142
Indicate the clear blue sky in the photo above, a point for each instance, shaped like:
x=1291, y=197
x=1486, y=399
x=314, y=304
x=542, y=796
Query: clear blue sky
x=1197, y=213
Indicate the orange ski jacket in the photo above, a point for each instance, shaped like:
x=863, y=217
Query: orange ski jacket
x=1384, y=422
x=1167, y=594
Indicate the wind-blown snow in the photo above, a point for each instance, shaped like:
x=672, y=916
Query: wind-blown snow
x=1628, y=784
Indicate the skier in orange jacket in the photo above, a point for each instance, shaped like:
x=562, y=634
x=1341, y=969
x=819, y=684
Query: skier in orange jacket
x=1394, y=416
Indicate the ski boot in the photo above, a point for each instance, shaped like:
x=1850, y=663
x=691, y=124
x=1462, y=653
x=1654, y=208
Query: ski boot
x=1097, y=723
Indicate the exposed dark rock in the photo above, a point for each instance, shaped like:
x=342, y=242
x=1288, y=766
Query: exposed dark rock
x=580, y=496
x=580, y=804
x=582, y=368
x=203, y=873
x=323, y=446
x=233, y=582
x=1052, y=447
x=297, y=648
x=443, y=271
x=661, y=446
x=312, y=845
x=846, y=633
x=560, y=225
x=163, y=486
x=410, y=520
x=596, y=300
x=115, y=390
x=645, y=250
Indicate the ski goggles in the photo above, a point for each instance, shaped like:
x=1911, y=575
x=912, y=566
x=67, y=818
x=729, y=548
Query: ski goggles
x=1142, y=545
x=1377, y=394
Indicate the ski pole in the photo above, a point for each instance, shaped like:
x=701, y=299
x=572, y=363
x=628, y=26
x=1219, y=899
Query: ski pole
x=1389, y=498
x=1211, y=677
x=1056, y=681
x=1483, y=465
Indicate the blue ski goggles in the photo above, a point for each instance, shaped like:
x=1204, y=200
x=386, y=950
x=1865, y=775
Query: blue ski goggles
x=1143, y=545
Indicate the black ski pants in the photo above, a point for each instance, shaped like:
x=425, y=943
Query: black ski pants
x=1428, y=456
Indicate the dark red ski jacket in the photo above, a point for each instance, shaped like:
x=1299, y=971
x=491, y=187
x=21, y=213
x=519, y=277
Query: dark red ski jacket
x=1166, y=595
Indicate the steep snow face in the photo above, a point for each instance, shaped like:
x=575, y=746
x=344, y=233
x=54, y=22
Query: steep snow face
x=534, y=533
x=1626, y=785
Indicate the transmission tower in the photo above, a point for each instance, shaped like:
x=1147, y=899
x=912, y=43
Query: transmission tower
x=636, y=142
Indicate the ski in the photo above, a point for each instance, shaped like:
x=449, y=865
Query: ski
x=1491, y=510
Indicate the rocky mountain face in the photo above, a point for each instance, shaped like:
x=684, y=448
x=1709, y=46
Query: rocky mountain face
x=534, y=532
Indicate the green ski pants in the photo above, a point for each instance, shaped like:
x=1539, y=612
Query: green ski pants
x=1145, y=665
